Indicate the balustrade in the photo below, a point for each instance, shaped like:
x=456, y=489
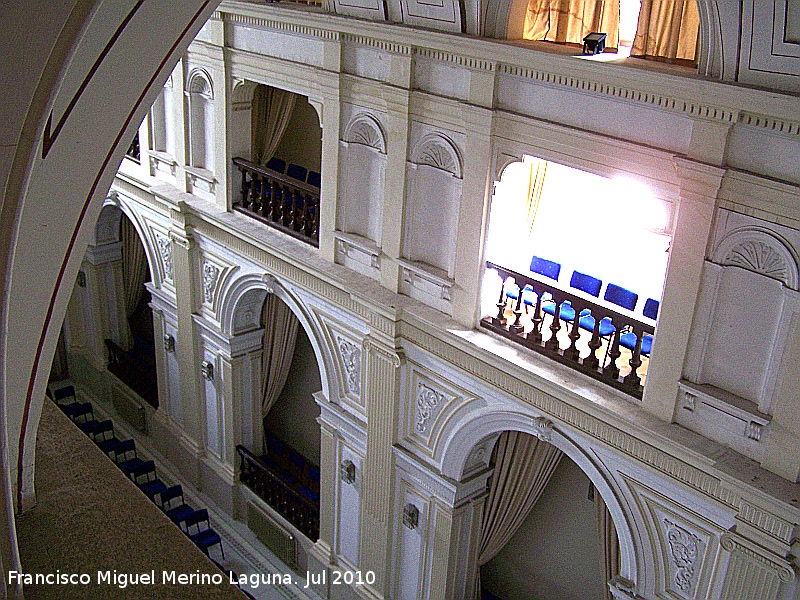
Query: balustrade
x=267, y=485
x=571, y=329
x=279, y=201
x=135, y=369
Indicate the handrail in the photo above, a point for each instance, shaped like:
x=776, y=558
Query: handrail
x=296, y=508
x=287, y=204
x=532, y=336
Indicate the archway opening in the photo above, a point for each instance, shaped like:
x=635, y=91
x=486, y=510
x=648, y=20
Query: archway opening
x=546, y=531
x=284, y=471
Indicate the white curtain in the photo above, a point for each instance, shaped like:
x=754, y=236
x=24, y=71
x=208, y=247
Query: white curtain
x=271, y=110
x=280, y=334
x=609, y=544
x=134, y=272
x=523, y=468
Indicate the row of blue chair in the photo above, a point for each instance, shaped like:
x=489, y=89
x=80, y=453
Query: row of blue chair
x=587, y=284
x=292, y=467
x=194, y=523
x=294, y=171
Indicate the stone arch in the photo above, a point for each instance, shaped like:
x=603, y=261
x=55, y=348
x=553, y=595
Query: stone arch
x=251, y=290
x=44, y=280
x=760, y=251
x=459, y=441
x=199, y=82
x=200, y=94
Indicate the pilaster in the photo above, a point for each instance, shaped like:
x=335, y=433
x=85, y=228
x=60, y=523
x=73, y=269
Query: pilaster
x=186, y=343
x=397, y=102
x=699, y=184
x=328, y=111
x=381, y=397
x=752, y=571
x=472, y=215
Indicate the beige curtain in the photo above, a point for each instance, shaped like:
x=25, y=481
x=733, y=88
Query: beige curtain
x=538, y=172
x=134, y=273
x=609, y=544
x=667, y=29
x=271, y=110
x=280, y=334
x=523, y=468
x=571, y=20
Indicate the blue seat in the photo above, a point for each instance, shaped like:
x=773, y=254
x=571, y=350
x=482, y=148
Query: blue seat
x=62, y=395
x=616, y=295
x=545, y=267
x=198, y=528
x=628, y=339
x=314, y=179
x=309, y=493
x=579, y=281
x=313, y=474
x=297, y=172
x=79, y=412
x=276, y=164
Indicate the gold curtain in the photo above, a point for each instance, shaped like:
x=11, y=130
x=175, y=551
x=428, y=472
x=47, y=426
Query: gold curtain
x=571, y=20
x=667, y=29
x=134, y=275
x=271, y=110
x=609, y=544
x=538, y=172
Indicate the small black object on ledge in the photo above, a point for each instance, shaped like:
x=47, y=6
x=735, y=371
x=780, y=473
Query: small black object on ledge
x=594, y=43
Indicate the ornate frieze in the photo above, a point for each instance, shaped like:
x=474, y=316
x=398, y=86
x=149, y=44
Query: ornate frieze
x=684, y=549
x=350, y=354
x=210, y=276
x=165, y=252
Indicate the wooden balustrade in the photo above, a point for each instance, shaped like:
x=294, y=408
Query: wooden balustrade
x=133, y=152
x=293, y=506
x=565, y=341
x=279, y=201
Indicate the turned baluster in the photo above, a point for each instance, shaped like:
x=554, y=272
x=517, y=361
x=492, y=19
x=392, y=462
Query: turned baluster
x=591, y=361
x=535, y=334
x=263, y=196
x=277, y=199
x=516, y=326
x=299, y=208
x=307, y=224
x=255, y=184
x=499, y=320
x=632, y=381
x=245, y=191
x=611, y=370
x=555, y=327
x=572, y=352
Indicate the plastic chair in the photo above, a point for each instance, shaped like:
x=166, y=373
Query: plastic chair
x=203, y=536
x=276, y=164
x=628, y=339
x=314, y=179
x=297, y=172
x=579, y=281
x=616, y=295
x=545, y=267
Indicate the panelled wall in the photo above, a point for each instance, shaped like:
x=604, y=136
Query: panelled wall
x=416, y=127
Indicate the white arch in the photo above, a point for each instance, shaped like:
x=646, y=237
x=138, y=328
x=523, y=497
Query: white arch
x=460, y=438
x=230, y=304
x=108, y=219
x=199, y=82
x=438, y=151
x=366, y=130
x=759, y=250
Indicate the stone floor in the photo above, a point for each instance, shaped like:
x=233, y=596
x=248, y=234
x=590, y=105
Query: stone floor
x=90, y=518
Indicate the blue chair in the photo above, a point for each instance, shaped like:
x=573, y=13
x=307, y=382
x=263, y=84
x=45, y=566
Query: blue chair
x=628, y=340
x=124, y=455
x=171, y=502
x=579, y=281
x=79, y=412
x=61, y=395
x=276, y=164
x=198, y=528
x=616, y=295
x=545, y=267
x=314, y=179
x=297, y=172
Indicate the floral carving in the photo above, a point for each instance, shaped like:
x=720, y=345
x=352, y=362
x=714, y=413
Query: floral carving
x=427, y=400
x=210, y=276
x=351, y=359
x=165, y=251
x=683, y=548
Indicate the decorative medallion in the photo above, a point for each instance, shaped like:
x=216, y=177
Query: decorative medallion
x=210, y=276
x=543, y=428
x=351, y=359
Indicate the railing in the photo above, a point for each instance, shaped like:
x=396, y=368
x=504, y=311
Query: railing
x=134, y=369
x=522, y=320
x=279, y=201
x=293, y=506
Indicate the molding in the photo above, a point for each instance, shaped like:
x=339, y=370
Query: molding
x=469, y=62
x=363, y=40
x=267, y=23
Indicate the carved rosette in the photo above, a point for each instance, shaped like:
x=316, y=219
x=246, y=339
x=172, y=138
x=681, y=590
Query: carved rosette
x=165, y=252
x=427, y=400
x=351, y=361
x=210, y=276
x=759, y=257
x=684, y=549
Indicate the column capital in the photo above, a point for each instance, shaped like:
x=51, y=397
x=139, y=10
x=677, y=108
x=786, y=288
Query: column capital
x=699, y=180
